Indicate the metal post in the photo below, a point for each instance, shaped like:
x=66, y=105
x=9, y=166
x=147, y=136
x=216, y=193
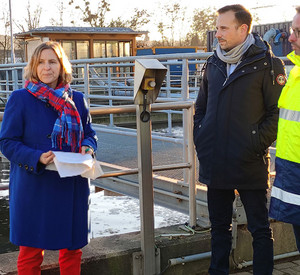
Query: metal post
x=14, y=77
x=86, y=82
x=188, y=151
x=111, y=116
x=185, y=96
x=12, y=52
x=7, y=84
x=146, y=191
x=192, y=169
x=168, y=87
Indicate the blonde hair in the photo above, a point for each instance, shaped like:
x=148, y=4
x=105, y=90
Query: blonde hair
x=65, y=75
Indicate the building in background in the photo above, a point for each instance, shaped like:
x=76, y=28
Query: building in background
x=84, y=42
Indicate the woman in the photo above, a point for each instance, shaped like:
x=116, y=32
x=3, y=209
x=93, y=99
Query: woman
x=46, y=211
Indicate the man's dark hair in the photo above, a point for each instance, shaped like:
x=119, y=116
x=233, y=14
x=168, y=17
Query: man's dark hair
x=242, y=15
x=298, y=9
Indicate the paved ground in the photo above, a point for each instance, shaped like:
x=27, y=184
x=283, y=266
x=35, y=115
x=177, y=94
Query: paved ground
x=290, y=266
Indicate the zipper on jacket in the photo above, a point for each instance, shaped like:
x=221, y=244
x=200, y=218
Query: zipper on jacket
x=225, y=81
x=264, y=159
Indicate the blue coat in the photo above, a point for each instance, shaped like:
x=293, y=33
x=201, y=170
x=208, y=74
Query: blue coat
x=46, y=211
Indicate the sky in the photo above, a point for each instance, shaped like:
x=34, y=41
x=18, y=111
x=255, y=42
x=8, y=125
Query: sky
x=269, y=11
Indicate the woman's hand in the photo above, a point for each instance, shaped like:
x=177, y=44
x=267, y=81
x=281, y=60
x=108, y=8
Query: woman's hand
x=87, y=150
x=47, y=158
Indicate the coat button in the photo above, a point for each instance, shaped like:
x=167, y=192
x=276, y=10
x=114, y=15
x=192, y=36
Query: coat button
x=254, y=67
x=265, y=63
x=20, y=164
x=243, y=71
x=253, y=132
x=26, y=166
x=200, y=126
x=31, y=168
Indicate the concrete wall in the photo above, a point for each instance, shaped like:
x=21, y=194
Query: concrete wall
x=113, y=255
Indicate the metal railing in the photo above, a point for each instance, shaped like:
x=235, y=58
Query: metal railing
x=109, y=81
x=189, y=159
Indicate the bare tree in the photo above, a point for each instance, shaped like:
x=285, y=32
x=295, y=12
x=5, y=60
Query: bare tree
x=95, y=19
x=117, y=23
x=161, y=30
x=172, y=20
x=173, y=12
x=60, y=8
x=32, y=20
x=139, y=19
x=203, y=21
x=5, y=39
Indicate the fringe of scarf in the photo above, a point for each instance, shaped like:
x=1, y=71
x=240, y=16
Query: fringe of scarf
x=68, y=126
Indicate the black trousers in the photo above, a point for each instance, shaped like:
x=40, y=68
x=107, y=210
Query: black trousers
x=220, y=207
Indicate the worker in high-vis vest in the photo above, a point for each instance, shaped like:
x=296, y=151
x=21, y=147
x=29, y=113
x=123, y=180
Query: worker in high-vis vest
x=285, y=195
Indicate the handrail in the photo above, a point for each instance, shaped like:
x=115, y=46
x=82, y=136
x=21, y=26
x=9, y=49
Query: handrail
x=125, y=59
x=132, y=108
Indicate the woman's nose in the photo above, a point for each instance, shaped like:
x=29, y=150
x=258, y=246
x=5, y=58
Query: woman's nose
x=47, y=65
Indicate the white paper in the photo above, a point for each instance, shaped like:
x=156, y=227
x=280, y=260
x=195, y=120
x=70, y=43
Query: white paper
x=73, y=164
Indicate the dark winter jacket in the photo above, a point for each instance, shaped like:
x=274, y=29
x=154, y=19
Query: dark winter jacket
x=236, y=119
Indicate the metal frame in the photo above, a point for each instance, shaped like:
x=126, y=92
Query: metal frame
x=189, y=163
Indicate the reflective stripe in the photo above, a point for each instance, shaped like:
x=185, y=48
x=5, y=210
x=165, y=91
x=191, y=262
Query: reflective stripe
x=289, y=114
x=285, y=196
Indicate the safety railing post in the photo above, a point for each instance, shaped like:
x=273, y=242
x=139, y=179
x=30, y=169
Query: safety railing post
x=110, y=102
x=185, y=96
x=87, y=82
x=146, y=194
x=192, y=169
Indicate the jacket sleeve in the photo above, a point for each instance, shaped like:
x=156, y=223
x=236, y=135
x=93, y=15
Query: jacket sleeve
x=11, y=136
x=90, y=137
x=272, y=87
x=201, y=101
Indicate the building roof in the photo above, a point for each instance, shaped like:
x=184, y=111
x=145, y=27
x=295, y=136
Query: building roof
x=85, y=30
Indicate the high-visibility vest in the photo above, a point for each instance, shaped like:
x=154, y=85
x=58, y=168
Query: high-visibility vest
x=288, y=137
x=285, y=195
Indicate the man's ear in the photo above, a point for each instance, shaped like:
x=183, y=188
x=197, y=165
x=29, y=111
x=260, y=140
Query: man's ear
x=244, y=28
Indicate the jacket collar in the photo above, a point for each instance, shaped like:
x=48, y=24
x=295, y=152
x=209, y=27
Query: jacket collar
x=259, y=47
x=294, y=58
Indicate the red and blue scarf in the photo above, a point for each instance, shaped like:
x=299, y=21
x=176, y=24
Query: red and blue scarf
x=68, y=126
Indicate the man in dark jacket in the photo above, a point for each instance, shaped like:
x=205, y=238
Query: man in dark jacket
x=235, y=122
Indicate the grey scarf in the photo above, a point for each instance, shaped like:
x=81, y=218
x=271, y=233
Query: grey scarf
x=234, y=55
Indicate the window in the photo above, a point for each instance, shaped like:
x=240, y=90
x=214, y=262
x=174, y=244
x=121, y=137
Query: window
x=112, y=49
x=76, y=49
x=83, y=49
x=99, y=49
x=127, y=49
x=69, y=48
